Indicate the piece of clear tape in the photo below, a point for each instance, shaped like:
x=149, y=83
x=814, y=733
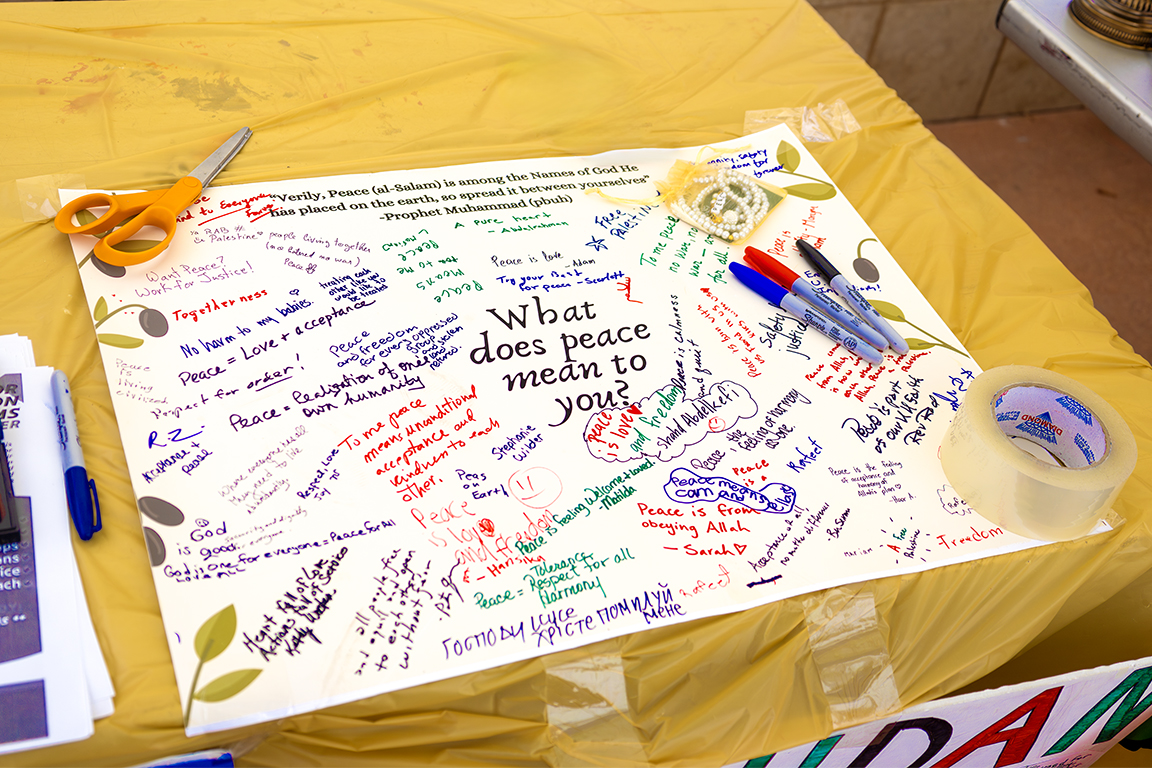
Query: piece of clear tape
x=589, y=719
x=825, y=123
x=38, y=197
x=849, y=643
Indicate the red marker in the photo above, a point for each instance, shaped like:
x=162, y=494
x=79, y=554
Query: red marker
x=786, y=278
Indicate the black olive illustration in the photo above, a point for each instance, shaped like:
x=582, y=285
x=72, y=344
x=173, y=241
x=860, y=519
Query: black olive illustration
x=156, y=549
x=866, y=269
x=109, y=269
x=163, y=512
x=153, y=322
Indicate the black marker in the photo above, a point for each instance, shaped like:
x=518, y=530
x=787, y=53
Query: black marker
x=852, y=295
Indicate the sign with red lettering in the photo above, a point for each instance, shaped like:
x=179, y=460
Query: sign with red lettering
x=1060, y=722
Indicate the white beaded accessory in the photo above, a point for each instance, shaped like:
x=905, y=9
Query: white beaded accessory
x=725, y=203
x=712, y=197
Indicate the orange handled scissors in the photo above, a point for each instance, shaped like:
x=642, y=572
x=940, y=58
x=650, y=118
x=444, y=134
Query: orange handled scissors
x=157, y=209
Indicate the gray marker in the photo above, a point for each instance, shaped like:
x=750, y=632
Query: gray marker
x=850, y=294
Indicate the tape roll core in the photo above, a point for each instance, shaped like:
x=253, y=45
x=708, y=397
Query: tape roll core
x=1037, y=453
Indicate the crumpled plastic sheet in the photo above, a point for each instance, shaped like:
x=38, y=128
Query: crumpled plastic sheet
x=820, y=124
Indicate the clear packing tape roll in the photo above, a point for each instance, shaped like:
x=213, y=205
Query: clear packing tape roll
x=1037, y=453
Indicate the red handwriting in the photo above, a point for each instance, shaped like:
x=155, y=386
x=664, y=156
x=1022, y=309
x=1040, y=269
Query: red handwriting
x=976, y=535
x=236, y=206
x=644, y=509
x=734, y=333
x=600, y=432
x=212, y=306
x=745, y=470
x=625, y=285
x=910, y=360
x=700, y=586
x=486, y=544
x=847, y=374
x=418, y=436
x=737, y=549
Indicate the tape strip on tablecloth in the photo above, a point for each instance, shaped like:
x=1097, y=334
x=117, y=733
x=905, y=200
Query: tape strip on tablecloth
x=588, y=713
x=38, y=197
x=849, y=643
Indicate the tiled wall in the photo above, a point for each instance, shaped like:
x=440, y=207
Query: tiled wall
x=945, y=57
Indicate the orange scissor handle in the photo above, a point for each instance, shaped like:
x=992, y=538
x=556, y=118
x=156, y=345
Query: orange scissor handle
x=157, y=209
x=119, y=207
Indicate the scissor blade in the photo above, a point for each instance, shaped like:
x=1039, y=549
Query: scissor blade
x=216, y=161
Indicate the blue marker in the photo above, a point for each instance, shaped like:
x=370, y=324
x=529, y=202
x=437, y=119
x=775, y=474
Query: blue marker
x=850, y=294
x=82, y=500
x=779, y=273
x=804, y=312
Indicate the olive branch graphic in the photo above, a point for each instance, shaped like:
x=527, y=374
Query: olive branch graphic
x=815, y=189
x=890, y=311
x=128, y=246
x=212, y=639
x=152, y=322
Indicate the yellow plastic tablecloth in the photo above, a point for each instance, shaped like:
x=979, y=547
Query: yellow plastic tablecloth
x=128, y=94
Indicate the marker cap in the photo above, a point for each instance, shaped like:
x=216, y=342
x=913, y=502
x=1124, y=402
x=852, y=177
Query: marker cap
x=770, y=266
x=758, y=283
x=822, y=264
x=83, y=503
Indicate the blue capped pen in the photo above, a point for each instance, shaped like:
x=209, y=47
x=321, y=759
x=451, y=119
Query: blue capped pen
x=83, y=503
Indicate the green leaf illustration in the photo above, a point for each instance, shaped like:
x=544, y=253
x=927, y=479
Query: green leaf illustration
x=788, y=156
x=227, y=686
x=921, y=344
x=215, y=634
x=888, y=310
x=116, y=340
x=136, y=246
x=101, y=310
x=85, y=217
x=818, y=190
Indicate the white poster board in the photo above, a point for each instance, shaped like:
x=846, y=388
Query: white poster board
x=390, y=428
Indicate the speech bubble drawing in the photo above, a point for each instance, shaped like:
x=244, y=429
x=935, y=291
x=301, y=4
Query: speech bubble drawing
x=663, y=425
x=687, y=487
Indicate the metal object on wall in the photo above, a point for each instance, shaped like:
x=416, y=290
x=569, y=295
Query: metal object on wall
x=1124, y=22
x=1113, y=81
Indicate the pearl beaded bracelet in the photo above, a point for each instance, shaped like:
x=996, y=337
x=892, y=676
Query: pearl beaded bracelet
x=728, y=204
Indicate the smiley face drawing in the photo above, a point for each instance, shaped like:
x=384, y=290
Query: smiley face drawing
x=536, y=487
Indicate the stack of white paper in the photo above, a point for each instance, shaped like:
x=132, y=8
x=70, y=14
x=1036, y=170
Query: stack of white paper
x=53, y=678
